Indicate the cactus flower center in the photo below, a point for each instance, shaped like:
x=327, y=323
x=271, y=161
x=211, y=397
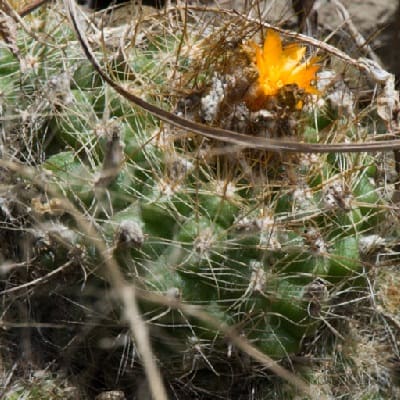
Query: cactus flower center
x=278, y=67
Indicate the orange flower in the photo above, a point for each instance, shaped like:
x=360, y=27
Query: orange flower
x=278, y=67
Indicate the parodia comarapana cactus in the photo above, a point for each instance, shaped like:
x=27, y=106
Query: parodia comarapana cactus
x=257, y=240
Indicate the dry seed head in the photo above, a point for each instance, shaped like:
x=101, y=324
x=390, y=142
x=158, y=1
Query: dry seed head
x=113, y=157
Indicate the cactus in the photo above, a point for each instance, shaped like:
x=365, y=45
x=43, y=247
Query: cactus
x=258, y=240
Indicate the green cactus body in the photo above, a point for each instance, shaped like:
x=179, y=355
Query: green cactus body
x=277, y=342
x=344, y=258
x=242, y=239
x=71, y=177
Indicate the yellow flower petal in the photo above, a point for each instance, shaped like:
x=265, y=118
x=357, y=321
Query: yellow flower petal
x=278, y=67
x=293, y=54
x=260, y=62
x=272, y=47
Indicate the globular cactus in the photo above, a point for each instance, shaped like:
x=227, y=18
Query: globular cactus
x=258, y=240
